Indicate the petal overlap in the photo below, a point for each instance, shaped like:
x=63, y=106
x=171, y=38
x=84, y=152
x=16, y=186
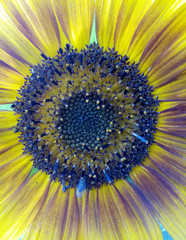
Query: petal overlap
x=173, y=121
x=15, y=43
x=13, y=174
x=106, y=18
x=30, y=18
x=164, y=197
x=75, y=18
x=58, y=216
x=20, y=206
x=118, y=213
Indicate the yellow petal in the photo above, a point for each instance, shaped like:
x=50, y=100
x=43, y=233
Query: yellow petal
x=76, y=19
x=34, y=230
x=172, y=88
x=81, y=205
x=118, y=212
x=106, y=16
x=163, y=158
x=13, y=175
x=8, y=119
x=58, y=217
x=18, y=212
x=167, y=166
x=17, y=65
x=170, y=141
x=10, y=154
x=164, y=53
x=14, y=43
x=168, y=66
x=8, y=139
x=90, y=216
x=7, y=96
x=10, y=79
x=148, y=225
x=173, y=121
x=37, y=21
x=155, y=21
x=130, y=15
x=168, y=105
x=165, y=200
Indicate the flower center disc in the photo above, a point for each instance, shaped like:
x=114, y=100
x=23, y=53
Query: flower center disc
x=86, y=117
x=87, y=121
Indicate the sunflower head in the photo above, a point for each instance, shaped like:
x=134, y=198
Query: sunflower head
x=94, y=136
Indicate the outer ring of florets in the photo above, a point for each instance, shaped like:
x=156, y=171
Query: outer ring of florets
x=49, y=118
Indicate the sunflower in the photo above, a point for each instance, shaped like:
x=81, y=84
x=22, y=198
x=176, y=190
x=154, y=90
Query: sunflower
x=93, y=119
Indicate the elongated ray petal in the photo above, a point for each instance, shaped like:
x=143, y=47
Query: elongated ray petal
x=165, y=50
x=13, y=175
x=12, y=63
x=7, y=119
x=58, y=217
x=10, y=79
x=8, y=139
x=15, y=43
x=151, y=30
x=173, y=121
x=11, y=153
x=21, y=206
x=7, y=96
x=164, y=198
x=171, y=141
x=118, y=212
x=30, y=18
x=173, y=89
x=106, y=16
x=169, y=164
x=76, y=19
x=130, y=15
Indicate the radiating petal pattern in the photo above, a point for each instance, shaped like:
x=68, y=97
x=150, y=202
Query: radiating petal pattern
x=57, y=218
x=169, y=164
x=118, y=212
x=165, y=50
x=10, y=82
x=7, y=96
x=172, y=142
x=30, y=18
x=15, y=43
x=150, y=30
x=76, y=19
x=10, y=79
x=173, y=120
x=20, y=205
x=106, y=16
x=116, y=22
x=151, y=33
x=164, y=198
x=173, y=89
x=10, y=62
x=130, y=16
x=10, y=154
x=13, y=175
